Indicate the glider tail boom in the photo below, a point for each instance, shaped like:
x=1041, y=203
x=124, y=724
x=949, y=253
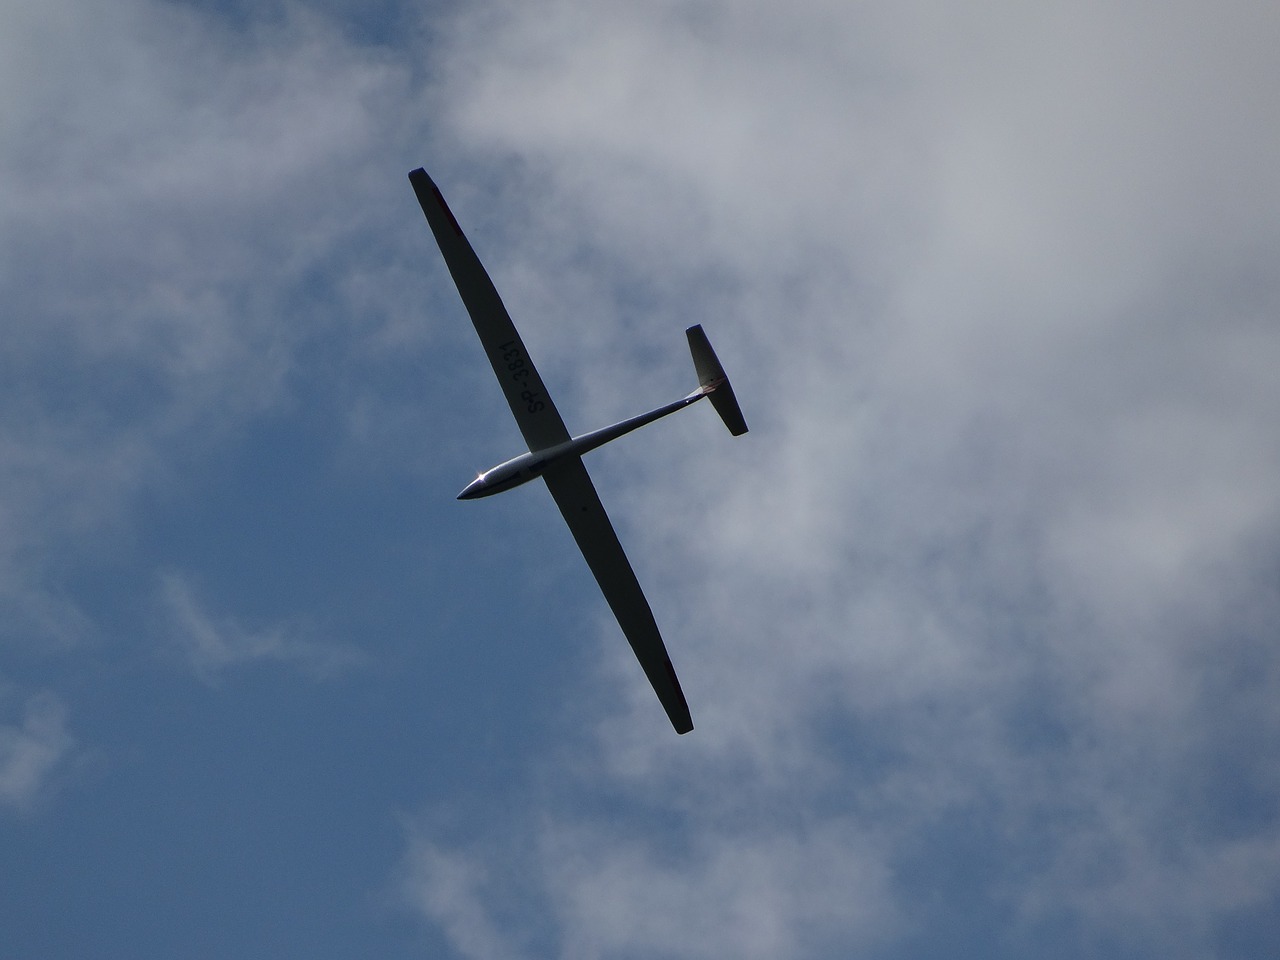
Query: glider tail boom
x=715, y=384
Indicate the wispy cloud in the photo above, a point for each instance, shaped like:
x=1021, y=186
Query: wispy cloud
x=167, y=183
x=752, y=893
x=214, y=645
x=454, y=889
x=32, y=750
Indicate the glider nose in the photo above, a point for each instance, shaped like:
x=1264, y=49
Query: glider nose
x=473, y=489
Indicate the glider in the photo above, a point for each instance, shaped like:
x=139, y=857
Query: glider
x=557, y=457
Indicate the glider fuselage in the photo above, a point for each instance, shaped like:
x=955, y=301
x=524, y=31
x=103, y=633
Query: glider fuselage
x=528, y=466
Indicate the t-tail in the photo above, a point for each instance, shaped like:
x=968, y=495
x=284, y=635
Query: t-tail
x=713, y=381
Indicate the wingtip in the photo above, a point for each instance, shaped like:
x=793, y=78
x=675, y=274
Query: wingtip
x=677, y=706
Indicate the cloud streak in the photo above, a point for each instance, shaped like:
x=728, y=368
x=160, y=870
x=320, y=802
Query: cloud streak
x=32, y=751
x=212, y=646
x=169, y=186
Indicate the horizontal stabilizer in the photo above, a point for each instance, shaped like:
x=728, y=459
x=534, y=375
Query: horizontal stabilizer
x=712, y=378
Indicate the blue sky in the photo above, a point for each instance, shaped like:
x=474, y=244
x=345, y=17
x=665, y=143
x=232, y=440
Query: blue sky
x=977, y=625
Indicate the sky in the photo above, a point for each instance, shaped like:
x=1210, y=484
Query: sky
x=977, y=624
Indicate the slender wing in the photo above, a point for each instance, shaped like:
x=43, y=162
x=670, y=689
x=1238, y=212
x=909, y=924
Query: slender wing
x=576, y=497
x=536, y=415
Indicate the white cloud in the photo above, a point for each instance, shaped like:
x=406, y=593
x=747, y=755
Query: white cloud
x=752, y=896
x=169, y=186
x=32, y=750
x=609, y=892
x=212, y=645
x=447, y=887
x=992, y=284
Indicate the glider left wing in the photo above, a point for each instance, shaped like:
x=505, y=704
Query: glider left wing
x=576, y=497
x=535, y=414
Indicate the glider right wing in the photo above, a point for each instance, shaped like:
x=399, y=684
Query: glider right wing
x=576, y=497
x=535, y=414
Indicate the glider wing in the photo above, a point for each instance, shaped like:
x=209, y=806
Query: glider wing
x=576, y=497
x=535, y=414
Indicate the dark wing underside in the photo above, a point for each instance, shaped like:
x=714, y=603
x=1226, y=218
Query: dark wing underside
x=535, y=414
x=576, y=497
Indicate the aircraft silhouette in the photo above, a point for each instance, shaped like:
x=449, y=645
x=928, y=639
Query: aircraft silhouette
x=556, y=457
